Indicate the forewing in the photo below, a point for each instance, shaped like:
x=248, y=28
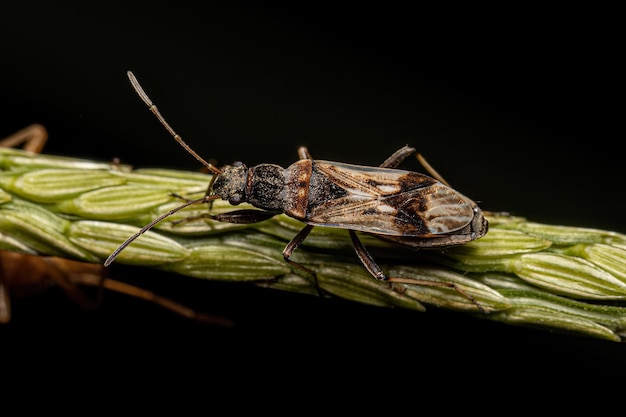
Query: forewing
x=385, y=201
x=438, y=207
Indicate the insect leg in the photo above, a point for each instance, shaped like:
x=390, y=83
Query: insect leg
x=427, y=283
x=370, y=264
x=397, y=157
x=191, y=218
x=292, y=246
x=431, y=170
x=401, y=154
x=366, y=259
x=376, y=271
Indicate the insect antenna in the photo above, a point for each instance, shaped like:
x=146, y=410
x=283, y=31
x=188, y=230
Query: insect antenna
x=153, y=108
x=150, y=225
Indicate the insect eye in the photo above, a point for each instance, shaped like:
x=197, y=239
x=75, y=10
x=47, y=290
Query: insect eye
x=234, y=200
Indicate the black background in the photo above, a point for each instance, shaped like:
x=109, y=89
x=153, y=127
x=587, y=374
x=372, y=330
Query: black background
x=514, y=107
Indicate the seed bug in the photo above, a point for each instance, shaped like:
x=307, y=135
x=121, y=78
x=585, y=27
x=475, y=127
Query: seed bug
x=402, y=207
x=24, y=274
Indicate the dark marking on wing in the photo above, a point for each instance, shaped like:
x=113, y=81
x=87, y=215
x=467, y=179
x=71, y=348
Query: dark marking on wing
x=384, y=201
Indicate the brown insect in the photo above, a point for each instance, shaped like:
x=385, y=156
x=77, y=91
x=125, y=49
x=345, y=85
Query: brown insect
x=403, y=207
x=24, y=274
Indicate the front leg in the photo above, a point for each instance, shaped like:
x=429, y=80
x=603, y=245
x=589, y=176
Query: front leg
x=292, y=246
x=244, y=216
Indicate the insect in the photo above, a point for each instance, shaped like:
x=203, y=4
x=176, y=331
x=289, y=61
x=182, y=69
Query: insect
x=24, y=274
x=402, y=207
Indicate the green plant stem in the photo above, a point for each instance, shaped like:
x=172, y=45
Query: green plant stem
x=561, y=278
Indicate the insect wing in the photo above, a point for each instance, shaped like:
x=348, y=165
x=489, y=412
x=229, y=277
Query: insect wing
x=476, y=229
x=384, y=201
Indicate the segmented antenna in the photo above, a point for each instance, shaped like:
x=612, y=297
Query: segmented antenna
x=207, y=198
x=153, y=108
x=150, y=225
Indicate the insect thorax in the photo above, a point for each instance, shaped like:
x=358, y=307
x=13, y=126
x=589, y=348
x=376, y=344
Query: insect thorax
x=265, y=187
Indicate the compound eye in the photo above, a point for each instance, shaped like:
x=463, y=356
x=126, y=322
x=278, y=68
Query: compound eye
x=234, y=200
